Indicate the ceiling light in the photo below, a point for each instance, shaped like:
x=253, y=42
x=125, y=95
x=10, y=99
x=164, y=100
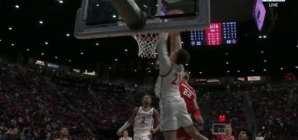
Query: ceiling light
x=42, y=53
x=186, y=64
x=116, y=59
x=17, y=6
x=135, y=70
x=27, y=49
x=149, y=71
x=97, y=5
x=265, y=70
x=238, y=70
x=296, y=67
x=56, y=57
x=200, y=72
x=265, y=61
x=281, y=68
x=227, y=63
x=9, y=28
x=227, y=53
x=97, y=44
x=12, y=44
x=60, y=1
x=126, y=50
x=0, y=40
x=69, y=60
x=46, y=43
x=114, y=16
x=228, y=71
x=252, y=70
x=40, y=22
x=67, y=35
x=262, y=51
x=82, y=53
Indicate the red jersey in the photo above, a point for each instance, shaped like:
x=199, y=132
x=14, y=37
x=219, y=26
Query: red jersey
x=188, y=94
x=224, y=137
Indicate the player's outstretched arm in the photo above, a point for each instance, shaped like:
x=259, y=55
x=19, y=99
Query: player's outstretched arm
x=129, y=122
x=162, y=52
x=175, y=41
x=197, y=112
x=156, y=121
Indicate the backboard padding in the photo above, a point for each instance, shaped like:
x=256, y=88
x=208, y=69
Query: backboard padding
x=83, y=31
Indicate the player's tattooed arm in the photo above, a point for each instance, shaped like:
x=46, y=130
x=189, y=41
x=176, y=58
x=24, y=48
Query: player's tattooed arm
x=156, y=121
x=163, y=56
x=129, y=122
x=133, y=115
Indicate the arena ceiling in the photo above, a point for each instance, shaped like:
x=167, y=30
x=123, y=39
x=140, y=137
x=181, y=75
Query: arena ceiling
x=36, y=27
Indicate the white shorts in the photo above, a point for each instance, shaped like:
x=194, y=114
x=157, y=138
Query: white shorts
x=174, y=115
x=142, y=136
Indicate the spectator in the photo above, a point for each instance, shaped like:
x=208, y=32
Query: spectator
x=125, y=136
x=14, y=135
x=227, y=135
x=245, y=134
x=63, y=133
x=49, y=136
x=259, y=137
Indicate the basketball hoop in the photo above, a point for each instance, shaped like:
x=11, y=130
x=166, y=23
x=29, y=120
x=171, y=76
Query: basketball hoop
x=147, y=45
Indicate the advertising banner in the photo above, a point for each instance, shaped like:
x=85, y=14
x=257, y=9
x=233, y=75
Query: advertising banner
x=253, y=78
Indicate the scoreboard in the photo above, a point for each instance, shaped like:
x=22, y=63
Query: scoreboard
x=220, y=33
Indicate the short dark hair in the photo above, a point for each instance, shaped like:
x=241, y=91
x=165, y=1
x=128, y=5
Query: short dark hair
x=248, y=132
x=183, y=57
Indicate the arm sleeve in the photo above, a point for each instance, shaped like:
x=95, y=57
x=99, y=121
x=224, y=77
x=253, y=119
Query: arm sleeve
x=178, y=45
x=162, y=52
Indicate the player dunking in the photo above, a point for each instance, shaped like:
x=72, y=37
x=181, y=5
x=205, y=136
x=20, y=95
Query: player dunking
x=144, y=118
x=173, y=112
x=190, y=98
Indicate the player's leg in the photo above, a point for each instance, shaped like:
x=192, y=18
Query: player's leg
x=193, y=132
x=186, y=122
x=168, y=119
x=170, y=135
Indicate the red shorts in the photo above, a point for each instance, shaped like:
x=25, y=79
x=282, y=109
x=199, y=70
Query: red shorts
x=182, y=134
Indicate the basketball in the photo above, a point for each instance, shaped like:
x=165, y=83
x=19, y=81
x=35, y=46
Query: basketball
x=176, y=12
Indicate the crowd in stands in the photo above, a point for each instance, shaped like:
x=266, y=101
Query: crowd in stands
x=276, y=119
x=228, y=104
x=29, y=103
x=39, y=106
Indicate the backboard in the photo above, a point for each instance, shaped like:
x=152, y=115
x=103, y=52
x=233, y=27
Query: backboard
x=99, y=19
x=218, y=128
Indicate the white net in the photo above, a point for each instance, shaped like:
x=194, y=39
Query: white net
x=147, y=45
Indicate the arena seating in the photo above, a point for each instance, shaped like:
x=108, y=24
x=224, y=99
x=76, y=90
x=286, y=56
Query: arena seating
x=275, y=118
x=29, y=103
x=228, y=104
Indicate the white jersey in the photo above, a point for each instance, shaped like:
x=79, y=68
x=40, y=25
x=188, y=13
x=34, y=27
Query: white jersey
x=167, y=86
x=144, y=120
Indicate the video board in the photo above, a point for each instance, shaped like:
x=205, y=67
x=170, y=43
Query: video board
x=219, y=33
